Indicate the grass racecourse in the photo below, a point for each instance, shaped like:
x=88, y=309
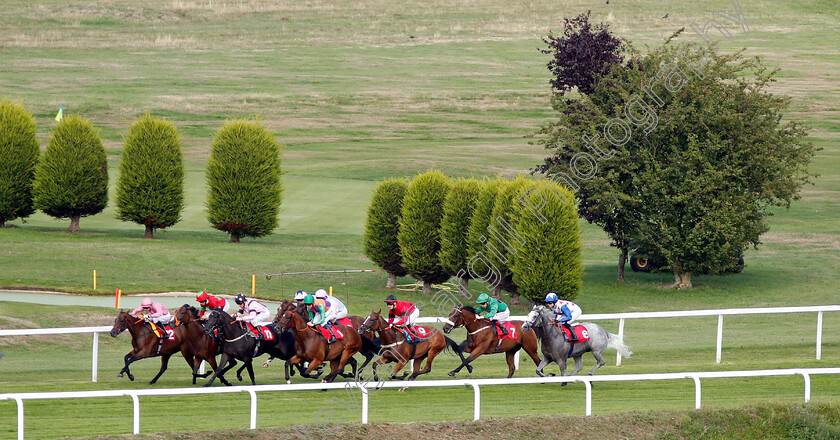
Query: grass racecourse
x=361, y=91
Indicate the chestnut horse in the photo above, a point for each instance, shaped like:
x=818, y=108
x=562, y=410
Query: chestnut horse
x=481, y=334
x=313, y=348
x=400, y=351
x=147, y=344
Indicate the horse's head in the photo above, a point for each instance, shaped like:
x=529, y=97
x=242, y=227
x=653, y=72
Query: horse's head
x=184, y=314
x=373, y=322
x=455, y=320
x=287, y=321
x=120, y=324
x=213, y=322
x=536, y=317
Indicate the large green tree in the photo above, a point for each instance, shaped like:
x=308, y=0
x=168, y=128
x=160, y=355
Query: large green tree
x=18, y=157
x=479, y=264
x=243, y=176
x=458, y=209
x=419, y=235
x=71, y=180
x=501, y=238
x=695, y=151
x=382, y=228
x=150, y=189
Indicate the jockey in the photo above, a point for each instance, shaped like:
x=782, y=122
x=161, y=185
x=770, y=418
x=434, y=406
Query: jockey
x=157, y=312
x=565, y=312
x=335, y=308
x=299, y=296
x=404, y=312
x=252, y=311
x=318, y=313
x=208, y=301
x=494, y=310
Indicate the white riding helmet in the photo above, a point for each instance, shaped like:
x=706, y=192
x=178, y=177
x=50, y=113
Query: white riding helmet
x=300, y=295
x=320, y=293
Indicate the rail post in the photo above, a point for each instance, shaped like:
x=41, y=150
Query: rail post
x=364, y=403
x=588, y=396
x=697, y=392
x=819, y=334
x=807, y=378
x=95, y=361
x=253, y=408
x=136, y=401
x=719, y=338
x=20, y=417
x=620, y=337
x=477, y=400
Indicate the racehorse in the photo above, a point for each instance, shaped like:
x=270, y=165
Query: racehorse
x=486, y=342
x=399, y=350
x=369, y=349
x=147, y=344
x=313, y=348
x=239, y=342
x=556, y=348
x=198, y=343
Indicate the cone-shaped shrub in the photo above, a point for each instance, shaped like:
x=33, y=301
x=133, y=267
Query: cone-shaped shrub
x=243, y=176
x=419, y=236
x=150, y=189
x=550, y=259
x=458, y=210
x=71, y=181
x=18, y=157
x=478, y=230
x=382, y=228
x=501, y=240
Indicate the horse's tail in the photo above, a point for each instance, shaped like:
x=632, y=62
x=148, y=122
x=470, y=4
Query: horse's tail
x=617, y=342
x=459, y=348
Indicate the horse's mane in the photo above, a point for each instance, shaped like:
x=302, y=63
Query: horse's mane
x=470, y=309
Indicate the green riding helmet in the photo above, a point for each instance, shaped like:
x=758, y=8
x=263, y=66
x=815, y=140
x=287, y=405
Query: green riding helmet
x=308, y=299
x=483, y=298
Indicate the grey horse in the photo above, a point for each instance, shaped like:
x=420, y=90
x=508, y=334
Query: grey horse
x=555, y=348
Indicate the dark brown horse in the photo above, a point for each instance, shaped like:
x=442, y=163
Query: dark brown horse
x=481, y=334
x=398, y=349
x=198, y=343
x=313, y=348
x=147, y=344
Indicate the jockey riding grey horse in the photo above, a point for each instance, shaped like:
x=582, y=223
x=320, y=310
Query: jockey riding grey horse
x=555, y=348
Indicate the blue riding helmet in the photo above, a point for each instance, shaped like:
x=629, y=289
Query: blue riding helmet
x=551, y=297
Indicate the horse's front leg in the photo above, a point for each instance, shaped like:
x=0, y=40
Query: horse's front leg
x=509, y=356
x=313, y=364
x=220, y=369
x=578, y=365
x=250, y=364
x=128, y=359
x=164, y=362
x=476, y=352
x=543, y=363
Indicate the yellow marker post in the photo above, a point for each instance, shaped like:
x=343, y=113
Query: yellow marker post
x=330, y=290
x=94, y=279
x=118, y=295
x=253, y=285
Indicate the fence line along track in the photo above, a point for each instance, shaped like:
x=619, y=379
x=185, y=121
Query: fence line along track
x=367, y=390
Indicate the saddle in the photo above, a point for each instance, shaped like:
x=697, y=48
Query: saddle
x=261, y=332
x=415, y=334
x=581, y=332
x=326, y=333
x=162, y=331
x=511, y=331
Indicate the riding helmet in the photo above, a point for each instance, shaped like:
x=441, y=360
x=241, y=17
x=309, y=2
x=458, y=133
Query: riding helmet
x=390, y=299
x=551, y=297
x=240, y=299
x=146, y=303
x=309, y=299
x=320, y=293
x=483, y=298
x=202, y=296
x=300, y=295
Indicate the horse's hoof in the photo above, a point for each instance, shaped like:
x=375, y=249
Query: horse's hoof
x=131, y=378
x=207, y=385
x=265, y=365
x=451, y=373
x=151, y=383
x=552, y=375
x=469, y=369
x=402, y=389
x=289, y=382
x=120, y=376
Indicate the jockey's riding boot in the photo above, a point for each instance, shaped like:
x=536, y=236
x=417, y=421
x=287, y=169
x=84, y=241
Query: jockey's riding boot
x=504, y=330
x=573, y=338
x=332, y=336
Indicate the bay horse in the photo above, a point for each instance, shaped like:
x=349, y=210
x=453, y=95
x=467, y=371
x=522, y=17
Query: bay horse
x=556, y=348
x=399, y=350
x=313, y=348
x=198, y=342
x=482, y=341
x=147, y=344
